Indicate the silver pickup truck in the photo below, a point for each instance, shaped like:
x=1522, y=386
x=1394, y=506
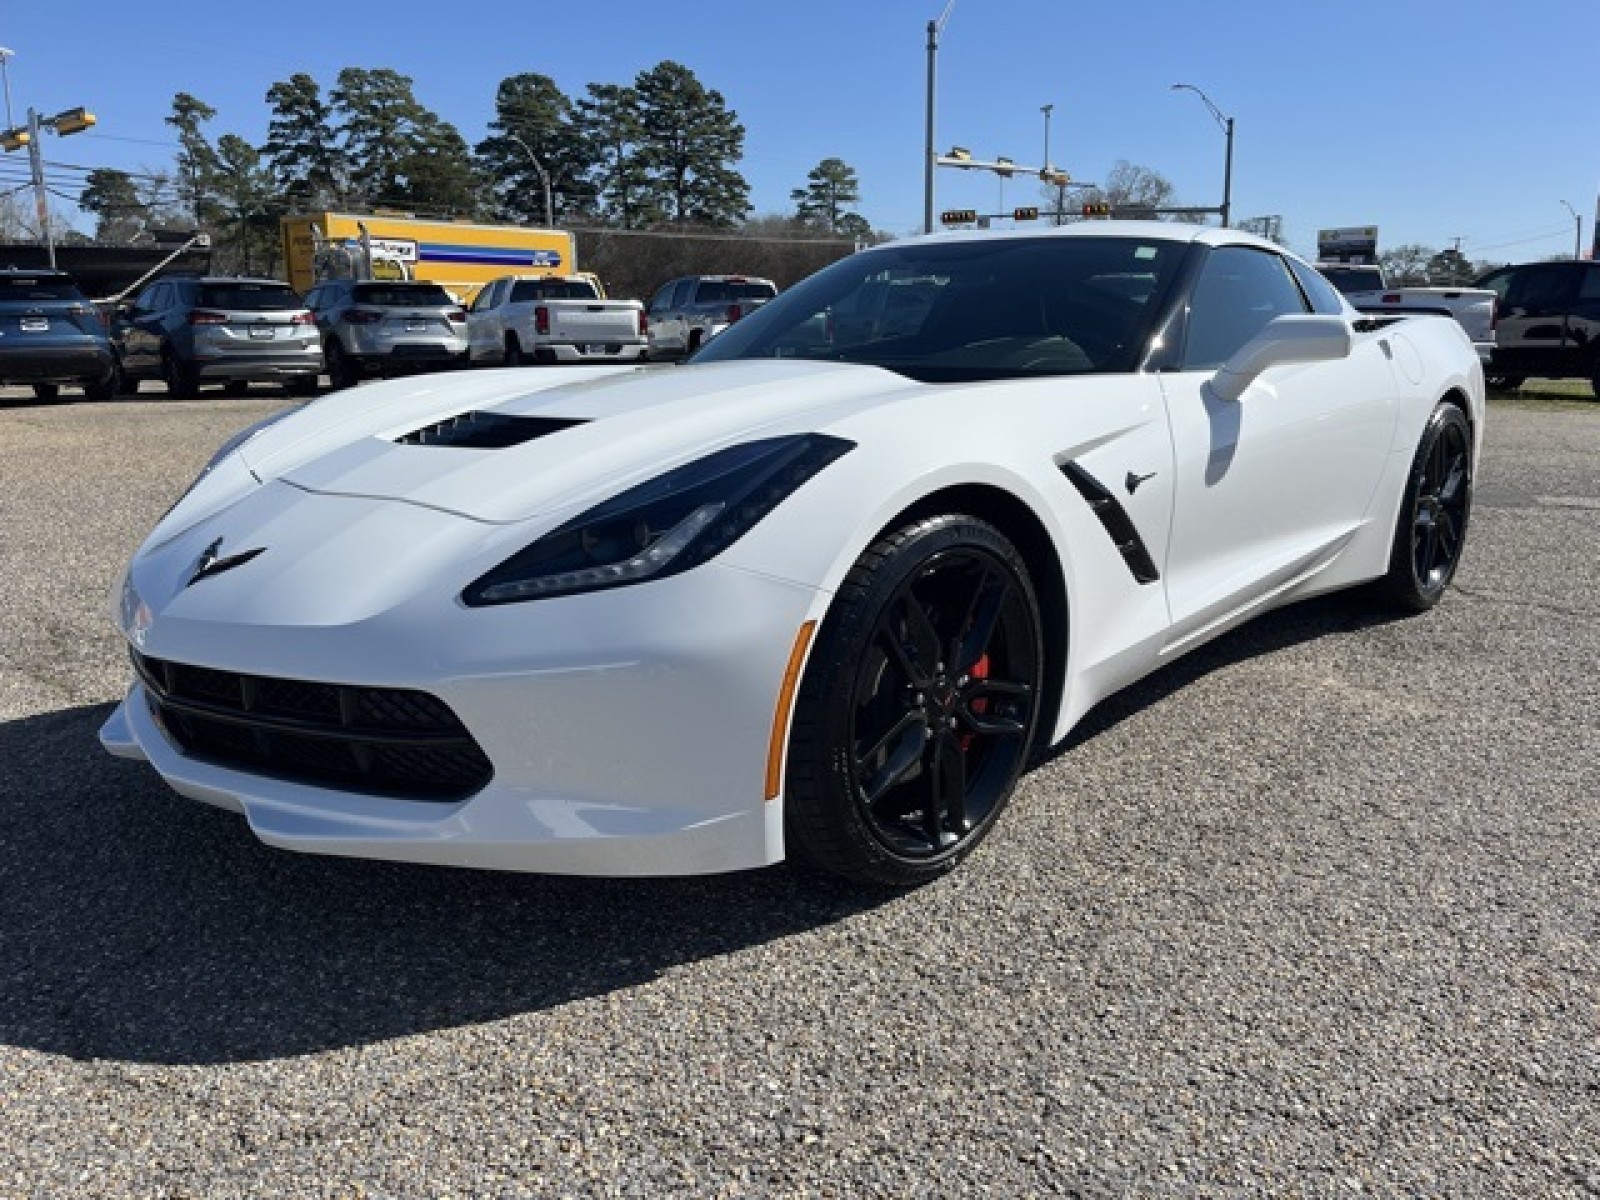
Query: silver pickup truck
x=552, y=319
x=1363, y=286
x=685, y=313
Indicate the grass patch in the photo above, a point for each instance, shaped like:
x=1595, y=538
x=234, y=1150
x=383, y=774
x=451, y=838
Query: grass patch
x=1557, y=395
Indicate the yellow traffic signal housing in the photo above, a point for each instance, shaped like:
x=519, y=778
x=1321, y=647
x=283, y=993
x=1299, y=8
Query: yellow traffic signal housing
x=1026, y=213
x=74, y=120
x=958, y=216
x=15, y=139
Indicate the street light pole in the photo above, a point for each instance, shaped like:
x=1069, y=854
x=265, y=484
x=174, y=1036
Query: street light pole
x=544, y=178
x=928, y=153
x=5, y=75
x=40, y=196
x=1226, y=124
x=1577, y=236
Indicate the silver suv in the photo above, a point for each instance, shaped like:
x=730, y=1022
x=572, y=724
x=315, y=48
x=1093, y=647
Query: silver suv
x=686, y=312
x=189, y=330
x=374, y=327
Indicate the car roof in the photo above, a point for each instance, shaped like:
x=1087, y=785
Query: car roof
x=1167, y=231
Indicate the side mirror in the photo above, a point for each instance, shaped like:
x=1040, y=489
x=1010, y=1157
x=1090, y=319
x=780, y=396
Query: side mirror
x=1299, y=339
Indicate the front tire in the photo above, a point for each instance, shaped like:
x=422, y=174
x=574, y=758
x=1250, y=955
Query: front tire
x=1432, y=528
x=918, y=706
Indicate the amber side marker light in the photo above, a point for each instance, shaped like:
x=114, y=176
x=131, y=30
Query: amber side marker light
x=780, y=715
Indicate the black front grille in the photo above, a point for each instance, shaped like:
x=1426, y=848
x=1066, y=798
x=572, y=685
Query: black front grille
x=386, y=741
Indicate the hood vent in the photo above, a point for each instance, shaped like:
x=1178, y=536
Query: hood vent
x=486, y=431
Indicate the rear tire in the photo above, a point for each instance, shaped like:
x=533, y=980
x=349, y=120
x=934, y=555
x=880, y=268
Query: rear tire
x=514, y=355
x=236, y=387
x=1432, y=527
x=99, y=391
x=47, y=391
x=302, y=385
x=342, y=373
x=918, y=706
x=183, y=382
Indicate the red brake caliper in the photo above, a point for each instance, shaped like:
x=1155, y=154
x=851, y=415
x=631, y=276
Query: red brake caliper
x=980, y=670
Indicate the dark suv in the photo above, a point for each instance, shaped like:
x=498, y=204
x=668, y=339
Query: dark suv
x=50, y=335
x=1548, y=324
x=190, y=330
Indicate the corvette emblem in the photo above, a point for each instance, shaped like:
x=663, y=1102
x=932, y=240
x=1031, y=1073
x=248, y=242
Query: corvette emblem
x=211, y=564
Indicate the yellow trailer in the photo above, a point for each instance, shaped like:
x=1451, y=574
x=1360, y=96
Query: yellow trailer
x=459, y=256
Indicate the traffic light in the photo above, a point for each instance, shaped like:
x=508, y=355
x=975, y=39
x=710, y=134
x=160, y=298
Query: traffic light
x=1097, y=209
x=958, y=216
x=74, y=120
x=1054, y=178
x=1027, y=213
x=15, y=138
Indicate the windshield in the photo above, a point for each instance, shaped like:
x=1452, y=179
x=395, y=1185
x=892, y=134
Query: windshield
x=966, y=310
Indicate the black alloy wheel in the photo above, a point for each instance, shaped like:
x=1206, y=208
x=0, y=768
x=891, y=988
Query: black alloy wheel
x=918, y=709
x=1432, y=529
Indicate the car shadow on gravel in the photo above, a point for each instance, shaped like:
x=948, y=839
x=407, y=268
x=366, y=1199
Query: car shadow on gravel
x=139, y=926
x=1305, y=621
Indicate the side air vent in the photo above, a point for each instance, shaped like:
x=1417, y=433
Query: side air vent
x=1118, y=525
x=486, y=431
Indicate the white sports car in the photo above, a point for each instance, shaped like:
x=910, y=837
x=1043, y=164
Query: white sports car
x=821, y=592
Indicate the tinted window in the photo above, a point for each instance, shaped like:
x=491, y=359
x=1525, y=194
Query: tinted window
x=401, y=293
x=31, y=287
x=962, y=310
x=247, y=297
x=1324, y=296
x=729, y=291
x=680, y=293
x=552, y=289
x=1240, y=290
x=1590, y=289
x=1540, y=286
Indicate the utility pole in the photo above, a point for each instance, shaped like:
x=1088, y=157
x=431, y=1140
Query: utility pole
x=934, y=29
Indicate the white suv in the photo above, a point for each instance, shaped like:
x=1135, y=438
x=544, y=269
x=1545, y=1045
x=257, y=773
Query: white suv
x=377, y=327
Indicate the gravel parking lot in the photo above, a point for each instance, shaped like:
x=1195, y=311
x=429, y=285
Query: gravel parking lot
x=1314, y=912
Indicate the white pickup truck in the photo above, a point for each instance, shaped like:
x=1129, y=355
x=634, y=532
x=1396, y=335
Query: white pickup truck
x=1363, y=286
x=552, y=319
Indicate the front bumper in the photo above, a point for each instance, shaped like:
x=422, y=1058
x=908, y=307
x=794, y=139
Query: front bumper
x=628, y=730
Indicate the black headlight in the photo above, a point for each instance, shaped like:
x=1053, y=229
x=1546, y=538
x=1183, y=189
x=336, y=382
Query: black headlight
x=666, y=525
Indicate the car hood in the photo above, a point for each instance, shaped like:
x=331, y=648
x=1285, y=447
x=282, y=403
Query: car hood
x=503, y=448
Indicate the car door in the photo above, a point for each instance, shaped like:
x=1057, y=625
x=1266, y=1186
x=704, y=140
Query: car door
x=137, y=332
x=1269, y=486
x=484, y=340
x=1532, y=332
x=668, y=327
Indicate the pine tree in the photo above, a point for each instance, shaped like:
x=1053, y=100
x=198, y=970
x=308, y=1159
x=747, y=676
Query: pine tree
x=688, y=140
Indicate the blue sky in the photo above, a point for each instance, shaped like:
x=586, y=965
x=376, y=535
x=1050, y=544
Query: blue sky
x=1432, y=120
